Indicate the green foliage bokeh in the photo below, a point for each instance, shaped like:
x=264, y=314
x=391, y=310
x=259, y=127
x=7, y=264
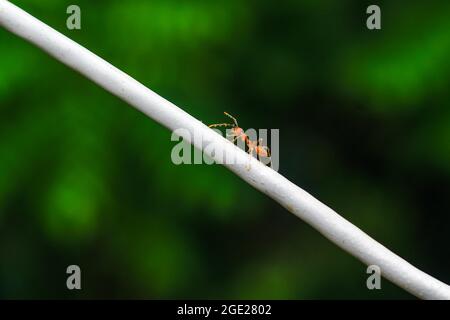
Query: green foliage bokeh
x=364, y=119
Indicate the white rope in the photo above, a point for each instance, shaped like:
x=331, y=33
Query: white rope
x=325, y=220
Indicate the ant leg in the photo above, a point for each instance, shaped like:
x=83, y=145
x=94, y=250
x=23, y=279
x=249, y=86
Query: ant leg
x=270, y=159
x=240, y=137
x=269, y=156
x=234, y=137
x=250, y=156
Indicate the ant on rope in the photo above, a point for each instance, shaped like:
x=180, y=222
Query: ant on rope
x=238, y=133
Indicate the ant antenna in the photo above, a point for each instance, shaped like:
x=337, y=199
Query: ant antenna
x=234, y=119
x=220, y=125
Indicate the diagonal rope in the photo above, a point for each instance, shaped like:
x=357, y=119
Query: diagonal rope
x=340, y=231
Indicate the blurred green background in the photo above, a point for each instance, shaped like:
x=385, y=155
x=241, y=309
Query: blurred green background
x=364, y=119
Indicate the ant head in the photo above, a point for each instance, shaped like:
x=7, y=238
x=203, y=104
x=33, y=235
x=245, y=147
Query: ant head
x=237, y=130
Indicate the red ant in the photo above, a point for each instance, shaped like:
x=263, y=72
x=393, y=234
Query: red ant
x=238, y=133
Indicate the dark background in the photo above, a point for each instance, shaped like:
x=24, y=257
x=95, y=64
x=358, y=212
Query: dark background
x=364, y=119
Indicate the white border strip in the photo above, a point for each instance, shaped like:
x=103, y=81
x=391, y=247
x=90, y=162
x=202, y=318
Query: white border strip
x=325, y=220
